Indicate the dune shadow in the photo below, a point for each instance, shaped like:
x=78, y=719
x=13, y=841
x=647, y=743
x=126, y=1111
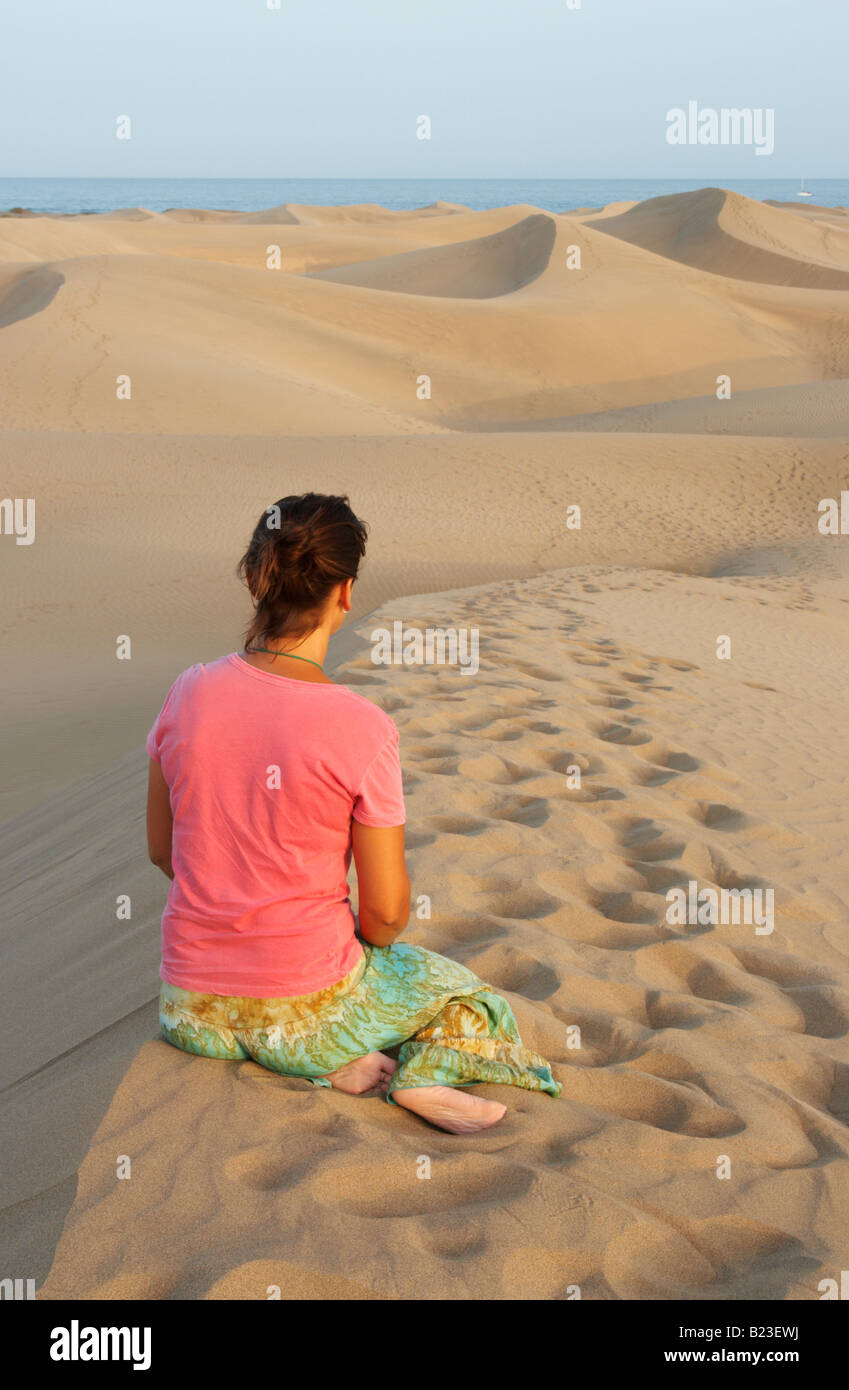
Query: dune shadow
x=29, y=294
x=804, y=408
x=487, y=267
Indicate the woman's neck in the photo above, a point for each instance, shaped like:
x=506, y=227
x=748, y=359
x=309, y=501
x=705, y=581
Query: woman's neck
x=295, y=656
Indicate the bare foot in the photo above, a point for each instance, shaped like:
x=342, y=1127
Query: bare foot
x=368, y=1073
x=446, y=1108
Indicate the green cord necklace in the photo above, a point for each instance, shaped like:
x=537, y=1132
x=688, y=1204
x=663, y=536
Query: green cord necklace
x=290, y=654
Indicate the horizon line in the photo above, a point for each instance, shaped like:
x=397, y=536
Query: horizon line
x=422, y=178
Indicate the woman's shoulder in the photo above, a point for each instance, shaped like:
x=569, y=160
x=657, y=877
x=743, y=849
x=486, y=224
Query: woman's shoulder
x=189, y=676
x=197, y=670
x=366, y=713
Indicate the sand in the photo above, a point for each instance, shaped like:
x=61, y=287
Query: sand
x=700, y=1046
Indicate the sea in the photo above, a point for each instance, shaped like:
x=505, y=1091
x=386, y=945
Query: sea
x=254, y=195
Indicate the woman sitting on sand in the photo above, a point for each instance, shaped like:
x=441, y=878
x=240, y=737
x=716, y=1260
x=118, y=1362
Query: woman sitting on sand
x=265, y=776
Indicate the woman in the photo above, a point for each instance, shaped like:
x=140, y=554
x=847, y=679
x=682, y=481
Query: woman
x=265, y=777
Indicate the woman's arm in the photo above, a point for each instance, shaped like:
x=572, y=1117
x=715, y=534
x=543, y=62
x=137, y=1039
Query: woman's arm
x=159, y=820
x=382, y=881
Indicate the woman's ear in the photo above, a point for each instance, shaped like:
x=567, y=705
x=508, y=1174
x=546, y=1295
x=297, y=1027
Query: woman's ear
x=345, y=594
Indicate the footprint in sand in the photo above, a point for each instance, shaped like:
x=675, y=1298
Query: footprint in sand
x=565, y=763
x=668, y=1009
x=725, y=876
x=838, y=1100
x=426, y=752
x=602, y=793
x=507, y=735
x=649, y=776
x=621, y=733
x=290, y=1159
x=664, y=759
x=355, y=677
x=458, y=825
x=527, y=810
x=442, y=767
x=537, y=673
x=504, y=897
x=652, y=839
x=613, y=702
x=719, y=982
x=392, y=704
x=505, y=967
x=388, y=1190
x=825, y=1009
x=589, y=660
x=441, y=1235
x=489, y=767
x=625, y=907
x=679, y=1106
x=650, y=1260
x=473, y=934
x=659, y=879
x=418, y=839
x=780, y=968
x=674, y=664
x=715, y=815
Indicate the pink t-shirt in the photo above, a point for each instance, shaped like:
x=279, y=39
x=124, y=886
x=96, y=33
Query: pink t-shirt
x=265, y=773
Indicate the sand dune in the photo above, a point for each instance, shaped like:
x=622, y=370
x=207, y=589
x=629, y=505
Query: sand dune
x=241, y=238
x=729, y=234
x=550, y=387
x=306, y=216
x=694, y=1044
x=501, y=324
x=118, y=215
x=303, y=215
x=483, y=268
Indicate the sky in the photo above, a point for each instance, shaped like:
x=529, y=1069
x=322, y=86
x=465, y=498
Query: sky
x=334, y=88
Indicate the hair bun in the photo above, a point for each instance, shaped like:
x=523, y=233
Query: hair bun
x=301, y=548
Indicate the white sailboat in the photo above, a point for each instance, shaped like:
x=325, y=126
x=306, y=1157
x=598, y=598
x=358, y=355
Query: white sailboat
x=802, y=191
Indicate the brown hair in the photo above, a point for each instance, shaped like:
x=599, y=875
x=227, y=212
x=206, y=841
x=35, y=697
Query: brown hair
x=301, y=548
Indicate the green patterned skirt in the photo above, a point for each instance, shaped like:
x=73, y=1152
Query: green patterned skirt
x=455, y=1030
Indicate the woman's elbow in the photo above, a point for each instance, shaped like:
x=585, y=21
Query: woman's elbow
x=380, y=927
x=161, y=859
